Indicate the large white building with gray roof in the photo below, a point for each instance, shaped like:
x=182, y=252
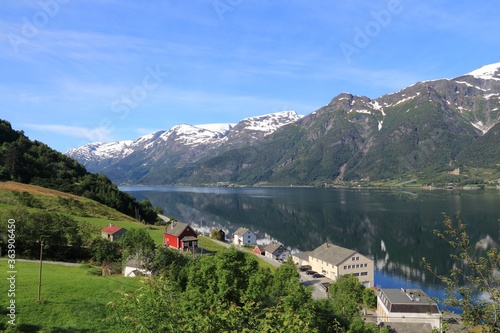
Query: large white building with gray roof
x=334, y=261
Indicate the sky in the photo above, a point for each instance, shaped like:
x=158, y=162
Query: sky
x=79, y=71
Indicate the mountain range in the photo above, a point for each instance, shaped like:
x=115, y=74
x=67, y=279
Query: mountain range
x=440, y=131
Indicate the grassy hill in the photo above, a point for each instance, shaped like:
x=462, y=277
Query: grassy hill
x=33, y=162
x=34, y=198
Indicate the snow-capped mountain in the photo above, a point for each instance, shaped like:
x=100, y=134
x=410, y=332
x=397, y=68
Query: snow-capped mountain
x=429, y=128
x=98, y=155
x=488, y=72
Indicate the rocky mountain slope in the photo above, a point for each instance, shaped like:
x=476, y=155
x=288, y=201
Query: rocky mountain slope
x=425, y=131
x=145, y=158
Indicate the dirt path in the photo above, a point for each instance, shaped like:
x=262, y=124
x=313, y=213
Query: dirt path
x=47, y=262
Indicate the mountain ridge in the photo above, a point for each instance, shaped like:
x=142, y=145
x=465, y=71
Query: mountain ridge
x=422, y=128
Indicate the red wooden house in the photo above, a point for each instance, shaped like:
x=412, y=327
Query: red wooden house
x=180, y=236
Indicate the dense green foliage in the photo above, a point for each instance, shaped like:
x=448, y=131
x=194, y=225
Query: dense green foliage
x=103, y=251
x=473, y=284
x=64, y=239
x=485, y=151
x=137, y=243
x=228, y=292
x=33, y=162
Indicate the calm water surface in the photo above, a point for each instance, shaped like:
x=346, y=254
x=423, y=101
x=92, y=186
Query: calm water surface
x=394, y=228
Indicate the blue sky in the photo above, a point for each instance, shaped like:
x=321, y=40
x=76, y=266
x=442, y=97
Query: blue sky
x=79, y=71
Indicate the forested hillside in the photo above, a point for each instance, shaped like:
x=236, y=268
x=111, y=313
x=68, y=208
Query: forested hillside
x=32, y=162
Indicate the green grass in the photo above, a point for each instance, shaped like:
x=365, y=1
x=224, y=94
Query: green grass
x=156, y=232
x=208, y=244
x=73, y=299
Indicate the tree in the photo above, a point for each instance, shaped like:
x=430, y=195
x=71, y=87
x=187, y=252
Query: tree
x=138, y=243
x=346, y=294
x=168, y=262
x=218, y=295
x=472, y=274
x=327, y=321
x=286, y=287
x=63, y=237
x=369, y=298
x=105, y=251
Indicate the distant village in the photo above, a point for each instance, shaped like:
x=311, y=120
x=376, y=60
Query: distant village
x=410, y=310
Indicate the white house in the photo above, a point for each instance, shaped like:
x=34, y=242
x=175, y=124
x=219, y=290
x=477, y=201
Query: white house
x=135, y=267
x=276, y=251
x=408, y=306
x=244, y=236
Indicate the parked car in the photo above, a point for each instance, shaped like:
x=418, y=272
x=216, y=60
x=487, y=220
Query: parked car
x=305, y=268
x=310, y=272
x=318, y=275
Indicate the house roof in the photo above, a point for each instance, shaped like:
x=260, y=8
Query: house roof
x=242, y=231
x=272, y=247
x=176, y=228
x=302, y=255
x=407, y=301
x=260, y=247
x=189, y=238
x=332, y=254
x=111, y=229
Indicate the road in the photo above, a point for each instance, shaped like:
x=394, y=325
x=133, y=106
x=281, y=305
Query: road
x=318, y=291
x=47, y=262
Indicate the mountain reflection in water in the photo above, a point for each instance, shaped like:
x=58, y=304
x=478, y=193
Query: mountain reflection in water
x=394, y=228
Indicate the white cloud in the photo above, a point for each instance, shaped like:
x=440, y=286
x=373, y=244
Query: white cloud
x=96, y=134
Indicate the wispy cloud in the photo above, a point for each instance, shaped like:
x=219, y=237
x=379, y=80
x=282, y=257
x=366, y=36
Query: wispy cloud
x=97, y=134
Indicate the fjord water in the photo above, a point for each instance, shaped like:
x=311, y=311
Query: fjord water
x=393, y=227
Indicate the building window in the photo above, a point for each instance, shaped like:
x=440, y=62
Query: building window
x=345, y=267
x=364, y=273
x=356, y=274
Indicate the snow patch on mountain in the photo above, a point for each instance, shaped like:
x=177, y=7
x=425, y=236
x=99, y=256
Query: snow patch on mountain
x=221, y=129
x=481, y=126
x=488, y=72
x=271, y=122
x=102, y=150
x=195, y=135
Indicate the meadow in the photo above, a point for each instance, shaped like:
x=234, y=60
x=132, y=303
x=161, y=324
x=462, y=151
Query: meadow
x=73, y=299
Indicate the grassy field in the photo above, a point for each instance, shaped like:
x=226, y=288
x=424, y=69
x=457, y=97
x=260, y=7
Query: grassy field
x=73, y=299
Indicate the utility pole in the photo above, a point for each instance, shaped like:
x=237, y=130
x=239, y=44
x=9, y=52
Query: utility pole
x=40, y=276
